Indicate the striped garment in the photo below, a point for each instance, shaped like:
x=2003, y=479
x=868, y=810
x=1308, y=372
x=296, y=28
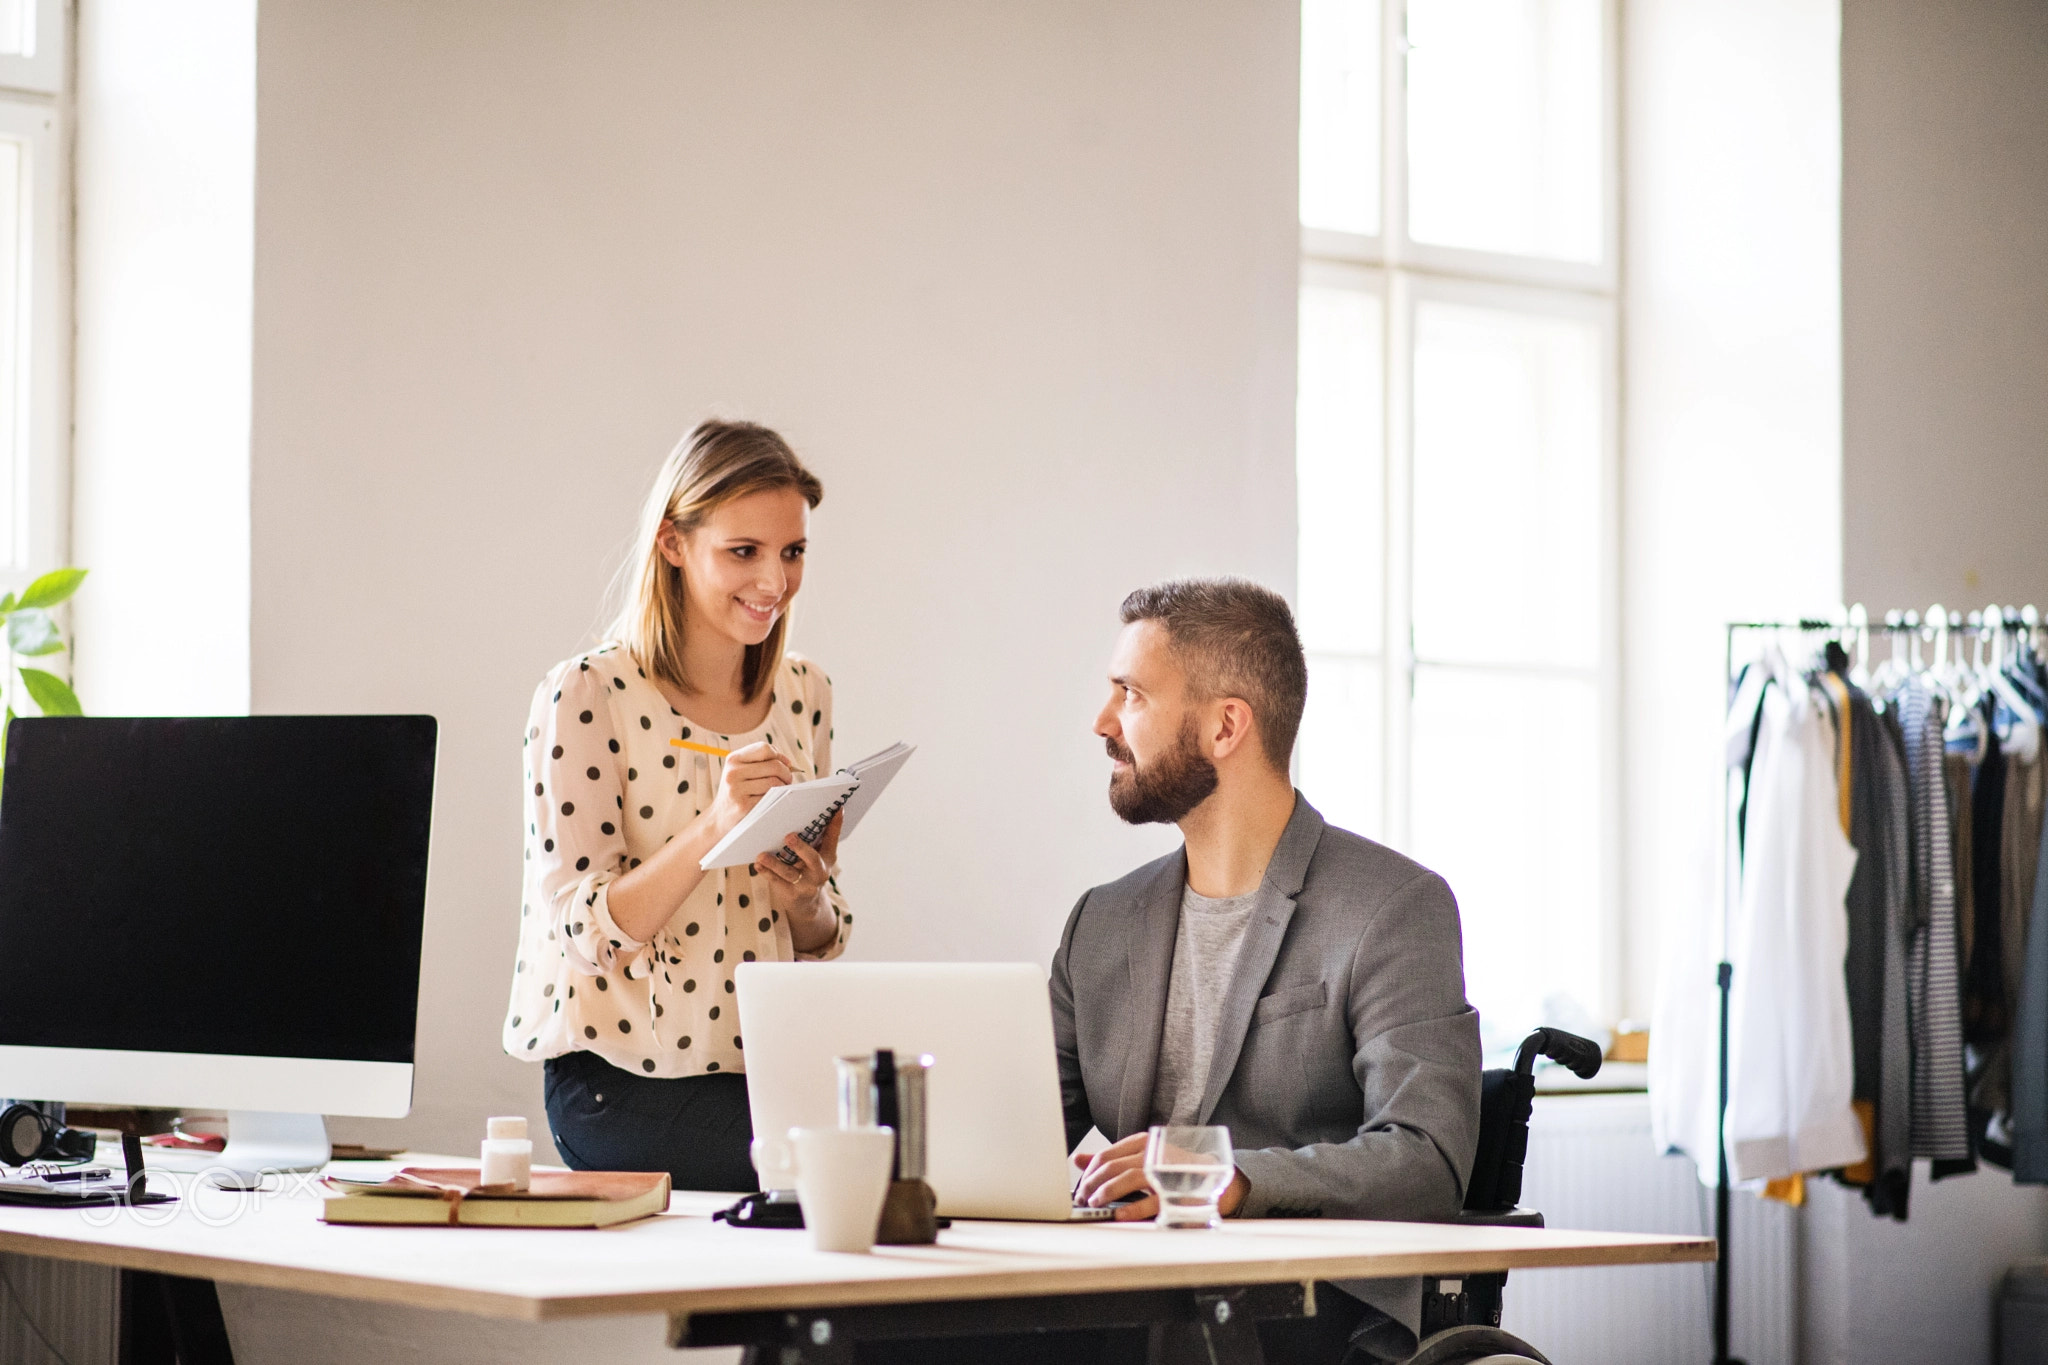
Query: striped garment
x=1940, y=1124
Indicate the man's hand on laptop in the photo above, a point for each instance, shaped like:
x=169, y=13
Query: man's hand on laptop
x=1117, y=1172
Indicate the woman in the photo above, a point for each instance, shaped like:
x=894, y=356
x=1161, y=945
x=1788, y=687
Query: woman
x=624, y=984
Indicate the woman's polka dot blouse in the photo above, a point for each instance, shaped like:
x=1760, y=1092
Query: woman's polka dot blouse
x=605, y=789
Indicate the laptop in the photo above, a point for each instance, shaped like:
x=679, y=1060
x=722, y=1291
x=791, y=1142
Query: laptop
x=995, y=1136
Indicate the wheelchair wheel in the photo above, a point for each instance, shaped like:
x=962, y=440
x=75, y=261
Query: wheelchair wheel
x=1475, y=1345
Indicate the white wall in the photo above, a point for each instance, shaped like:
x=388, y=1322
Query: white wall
x=165, y=177
x=1732, y=429
x=1944, y=498
x=1017, y=280
x=1920, y=1292
x=1945, y=302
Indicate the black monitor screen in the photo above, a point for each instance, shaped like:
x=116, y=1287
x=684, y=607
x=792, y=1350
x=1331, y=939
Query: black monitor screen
x=249, y=885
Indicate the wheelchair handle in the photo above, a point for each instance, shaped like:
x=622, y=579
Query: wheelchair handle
x=1580, y=1055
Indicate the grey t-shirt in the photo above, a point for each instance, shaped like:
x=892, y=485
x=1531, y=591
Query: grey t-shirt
x=1205, y=952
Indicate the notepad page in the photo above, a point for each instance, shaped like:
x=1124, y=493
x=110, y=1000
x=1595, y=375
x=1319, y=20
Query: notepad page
x=874, y=773
x=783, y=811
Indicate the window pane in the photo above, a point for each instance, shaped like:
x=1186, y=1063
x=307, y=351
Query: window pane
x=1340, y=743
x=1339, y=480
x=1340, y=115
x=17, y=28
x=1508, y=415
x=1506, y=806
x=13, y=306
x=1504, y=126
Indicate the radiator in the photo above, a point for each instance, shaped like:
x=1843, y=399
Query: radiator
x=1591, y=1166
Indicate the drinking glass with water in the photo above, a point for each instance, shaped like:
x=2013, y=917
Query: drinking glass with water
x=1189, y=1168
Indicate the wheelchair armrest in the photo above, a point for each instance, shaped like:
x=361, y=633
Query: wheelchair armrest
x=1501, y=1218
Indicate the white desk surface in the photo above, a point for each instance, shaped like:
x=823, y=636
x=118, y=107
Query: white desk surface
x=682, y=1262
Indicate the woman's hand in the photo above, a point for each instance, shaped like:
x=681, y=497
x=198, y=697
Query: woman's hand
x=749, y=774
x=799, y=891
x=645, y=897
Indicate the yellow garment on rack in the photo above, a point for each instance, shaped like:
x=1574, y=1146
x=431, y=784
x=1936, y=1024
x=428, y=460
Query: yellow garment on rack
x=1839, y=690
x=1787, y=1189
x=1864, y=1171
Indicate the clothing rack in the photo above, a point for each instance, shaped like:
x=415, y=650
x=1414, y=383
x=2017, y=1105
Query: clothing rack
x=1935, y=626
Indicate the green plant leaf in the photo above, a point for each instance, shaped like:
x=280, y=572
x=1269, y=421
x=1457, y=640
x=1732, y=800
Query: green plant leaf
x=31, y=631
x=6, y=604
x=52, y=588
x=52, y=694
x=3, y=736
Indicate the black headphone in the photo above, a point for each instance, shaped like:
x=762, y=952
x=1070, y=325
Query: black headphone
x=28, y=1133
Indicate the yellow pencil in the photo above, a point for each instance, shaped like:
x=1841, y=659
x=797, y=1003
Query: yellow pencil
x=711, y=749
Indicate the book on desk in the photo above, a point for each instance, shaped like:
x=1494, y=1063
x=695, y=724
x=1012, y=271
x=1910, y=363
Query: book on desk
x=456, y=1196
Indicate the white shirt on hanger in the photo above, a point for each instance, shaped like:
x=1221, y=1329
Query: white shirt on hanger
x=1791, y=1069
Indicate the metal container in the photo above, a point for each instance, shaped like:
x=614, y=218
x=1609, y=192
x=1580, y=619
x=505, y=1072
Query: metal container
x=890, y=1091
x=856, y=1091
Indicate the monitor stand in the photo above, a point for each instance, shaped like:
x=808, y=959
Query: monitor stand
x=257, y=1141
x=262, y=1141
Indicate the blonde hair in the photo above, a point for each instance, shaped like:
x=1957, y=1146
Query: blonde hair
x=714, y=464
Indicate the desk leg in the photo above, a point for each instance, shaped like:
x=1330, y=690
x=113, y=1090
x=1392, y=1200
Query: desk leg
x=1215, y=1326
x=171, y=1320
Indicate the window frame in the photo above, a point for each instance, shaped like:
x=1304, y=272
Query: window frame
x=34, y=108
x=42, y=477
x=42, y=71
x=1405, y=274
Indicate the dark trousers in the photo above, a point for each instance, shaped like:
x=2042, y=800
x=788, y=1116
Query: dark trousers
x=697, y=1128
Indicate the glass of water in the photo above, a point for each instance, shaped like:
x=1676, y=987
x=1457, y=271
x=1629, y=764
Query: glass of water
x=1189, y=1168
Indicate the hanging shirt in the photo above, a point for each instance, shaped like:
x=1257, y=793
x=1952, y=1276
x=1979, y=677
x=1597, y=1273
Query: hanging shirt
x=2030, y=1040
x=1940, y=1126
x=2019, y=838
x=1880, y=932
x=1791, y=1066
x=1685, y=1023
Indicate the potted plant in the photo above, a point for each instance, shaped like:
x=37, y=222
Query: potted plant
x=32, y=633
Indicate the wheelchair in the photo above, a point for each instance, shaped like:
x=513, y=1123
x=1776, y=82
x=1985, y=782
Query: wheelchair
x=1461, y=1317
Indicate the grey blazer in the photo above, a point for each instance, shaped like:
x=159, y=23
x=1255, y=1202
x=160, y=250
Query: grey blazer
x=1347, y=1062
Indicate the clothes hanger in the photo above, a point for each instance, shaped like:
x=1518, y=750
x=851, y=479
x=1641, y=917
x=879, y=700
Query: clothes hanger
x=1859, y=639
x=2021, y=732
x=1964, y=733
x=1938, y=674
x=2023, y=669
x=1890, y=674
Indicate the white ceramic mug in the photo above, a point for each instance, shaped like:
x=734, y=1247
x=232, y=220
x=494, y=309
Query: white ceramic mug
x=774, y=1162
x=842, y=1177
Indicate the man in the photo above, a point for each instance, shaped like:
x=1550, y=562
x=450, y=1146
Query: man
x=1292, y=981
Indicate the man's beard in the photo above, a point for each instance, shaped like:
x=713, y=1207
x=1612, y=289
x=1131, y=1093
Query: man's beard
x=1162, y=791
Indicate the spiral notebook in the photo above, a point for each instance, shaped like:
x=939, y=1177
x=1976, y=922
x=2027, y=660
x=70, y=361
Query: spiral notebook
x=805, y=808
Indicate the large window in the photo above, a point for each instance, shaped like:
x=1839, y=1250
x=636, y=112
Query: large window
x=1456, y=460
x=34, y=289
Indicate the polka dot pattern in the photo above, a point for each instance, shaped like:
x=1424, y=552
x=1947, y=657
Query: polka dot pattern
x=596, y=728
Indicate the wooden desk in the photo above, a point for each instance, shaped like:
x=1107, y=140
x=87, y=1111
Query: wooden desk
x=685, y=1265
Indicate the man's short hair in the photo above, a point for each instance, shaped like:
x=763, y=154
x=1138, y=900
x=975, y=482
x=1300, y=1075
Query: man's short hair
x=1234, y=638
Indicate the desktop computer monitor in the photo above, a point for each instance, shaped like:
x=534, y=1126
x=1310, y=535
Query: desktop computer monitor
x=220, y=913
